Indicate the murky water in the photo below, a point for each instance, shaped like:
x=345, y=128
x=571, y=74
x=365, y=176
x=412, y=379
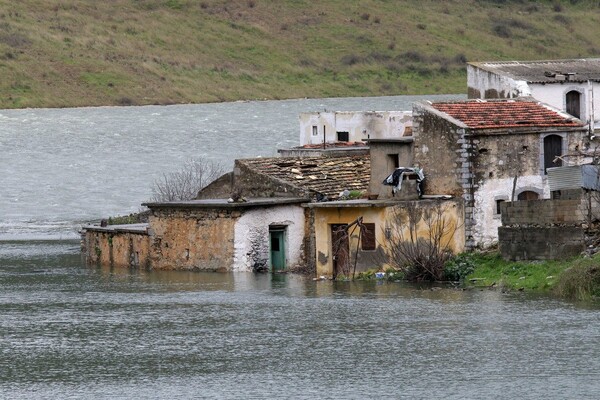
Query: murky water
x=69, y=331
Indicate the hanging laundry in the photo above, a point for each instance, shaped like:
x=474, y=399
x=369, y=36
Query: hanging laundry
x=396, y=177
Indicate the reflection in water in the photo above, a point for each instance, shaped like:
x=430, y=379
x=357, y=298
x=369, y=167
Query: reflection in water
x=67, y=330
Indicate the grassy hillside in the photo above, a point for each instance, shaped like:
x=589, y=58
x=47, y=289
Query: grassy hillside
x=85, y=52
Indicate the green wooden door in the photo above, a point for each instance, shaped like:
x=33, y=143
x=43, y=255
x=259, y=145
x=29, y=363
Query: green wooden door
x=277, y=250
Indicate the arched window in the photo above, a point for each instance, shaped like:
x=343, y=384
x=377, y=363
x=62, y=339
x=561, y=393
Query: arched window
x=528, y=195
x=574, y=103
x=552, y=149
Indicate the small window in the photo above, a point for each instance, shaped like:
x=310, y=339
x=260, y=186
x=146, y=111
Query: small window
x=368, y=237
x=343, y=136
x=498, y=205
x=315, y=130
x=528, y=195
x=393, y=161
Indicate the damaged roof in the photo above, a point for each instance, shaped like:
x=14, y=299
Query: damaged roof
x=497, y=114
x=550, y=71
x=328, y=176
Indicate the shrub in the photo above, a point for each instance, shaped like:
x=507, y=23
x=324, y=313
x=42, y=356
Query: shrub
x=350, y=59
x=458, y=267
x=579, y=282
x=502, y=31
x=365, y=16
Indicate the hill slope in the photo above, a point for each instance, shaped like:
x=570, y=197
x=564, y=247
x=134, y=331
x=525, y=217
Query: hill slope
x=85, y=52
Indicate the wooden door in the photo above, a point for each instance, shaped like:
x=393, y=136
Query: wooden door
x=277, y=250
x=552, y=149
x=340, y=250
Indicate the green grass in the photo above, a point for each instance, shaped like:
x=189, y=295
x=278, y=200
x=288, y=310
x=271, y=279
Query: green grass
x=578, y=278
x=66, y=53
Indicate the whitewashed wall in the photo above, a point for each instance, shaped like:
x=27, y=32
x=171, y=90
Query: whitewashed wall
x=361, y=125
x=251, y=236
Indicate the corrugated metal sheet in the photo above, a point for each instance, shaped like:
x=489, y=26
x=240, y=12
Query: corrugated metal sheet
x=563, y=178
x=574, y=177
x=590, y=176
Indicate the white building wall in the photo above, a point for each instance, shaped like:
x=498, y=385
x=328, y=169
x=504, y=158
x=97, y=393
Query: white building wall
x=361, y=125
x=485, y=231
x=504, y=87
x=251, y=236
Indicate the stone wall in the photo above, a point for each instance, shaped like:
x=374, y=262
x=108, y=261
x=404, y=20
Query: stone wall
x=117, y=249
x=199, y=239
x=541, y=229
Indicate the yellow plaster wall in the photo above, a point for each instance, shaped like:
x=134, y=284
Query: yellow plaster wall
x=453, y=211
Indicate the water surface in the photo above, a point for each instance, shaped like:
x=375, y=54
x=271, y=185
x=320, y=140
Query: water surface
x=70, y=331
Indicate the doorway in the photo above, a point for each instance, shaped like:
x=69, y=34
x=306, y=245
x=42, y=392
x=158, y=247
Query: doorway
x=277, y=248
x=340, y=249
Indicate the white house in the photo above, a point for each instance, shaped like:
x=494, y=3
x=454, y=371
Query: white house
x=572, y=86
x=353, y=126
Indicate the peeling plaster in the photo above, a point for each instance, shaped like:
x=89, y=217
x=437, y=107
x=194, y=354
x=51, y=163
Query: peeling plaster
x=251, y=236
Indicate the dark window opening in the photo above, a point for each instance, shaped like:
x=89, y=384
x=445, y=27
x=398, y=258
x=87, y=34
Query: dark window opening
x=393, y=161
x=552, y=149
x=574, y=103
x=528, y=195
x=368, y=237
x=498, y=204
x=343, y=136
x=274, y=243
x=315, y=130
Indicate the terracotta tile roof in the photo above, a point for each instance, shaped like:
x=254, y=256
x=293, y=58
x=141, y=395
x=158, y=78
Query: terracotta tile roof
x=496, y=114
x=326, y=175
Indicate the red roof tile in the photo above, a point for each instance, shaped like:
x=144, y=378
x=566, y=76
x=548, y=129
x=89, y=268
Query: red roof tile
x=504, y=114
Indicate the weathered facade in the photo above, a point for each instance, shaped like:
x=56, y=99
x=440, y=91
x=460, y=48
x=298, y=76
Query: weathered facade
x=572, y=86
x=353, y=126
x=475, y=149
x=209, y=235
x=387, y=155
x=385, y=220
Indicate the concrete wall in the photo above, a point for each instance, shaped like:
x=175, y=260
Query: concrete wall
x=540, y=243
x=251, y=233
x=389, y=221
x=482, y=84
x=382, y=166
x=542, y=212
x=199, y=239
x=361, y=125
x=541, y=229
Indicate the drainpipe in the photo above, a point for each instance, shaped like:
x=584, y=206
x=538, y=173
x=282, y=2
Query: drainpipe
x=591, y=126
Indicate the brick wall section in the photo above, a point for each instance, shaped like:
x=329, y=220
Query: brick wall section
x=541, y=229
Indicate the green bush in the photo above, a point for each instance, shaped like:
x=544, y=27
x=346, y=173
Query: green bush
x=458, y=267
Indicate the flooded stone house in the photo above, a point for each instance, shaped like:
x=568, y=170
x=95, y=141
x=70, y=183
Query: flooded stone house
x=571, y=86
x=484, y=151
